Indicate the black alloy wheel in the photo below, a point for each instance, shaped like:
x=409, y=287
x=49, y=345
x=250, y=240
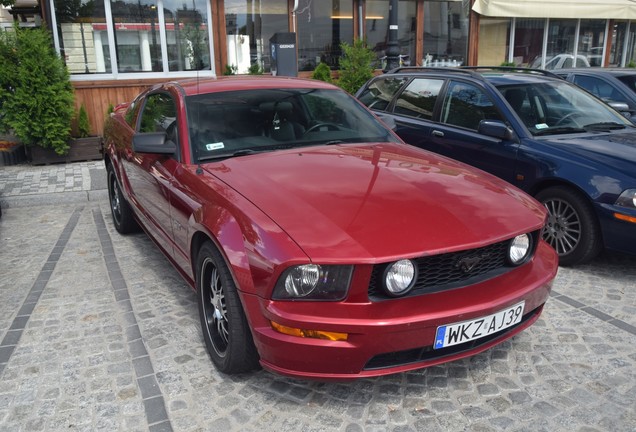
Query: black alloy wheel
x=225, y=329
x=571, y=228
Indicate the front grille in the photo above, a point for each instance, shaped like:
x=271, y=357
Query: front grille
x=450, y=270
x=400, y=358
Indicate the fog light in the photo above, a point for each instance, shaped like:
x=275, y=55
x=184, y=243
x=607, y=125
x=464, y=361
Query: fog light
x=519, y=249
x=399, y=277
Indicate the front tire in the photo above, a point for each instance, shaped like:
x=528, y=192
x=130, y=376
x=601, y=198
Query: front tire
x=223, y=323
x=123, y=218
x=572, y=229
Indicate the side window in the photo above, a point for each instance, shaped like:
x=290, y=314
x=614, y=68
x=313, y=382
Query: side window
x=598, y=87
x=380, y=92
x=418, y=99
x=465, y=105
x=159, y=114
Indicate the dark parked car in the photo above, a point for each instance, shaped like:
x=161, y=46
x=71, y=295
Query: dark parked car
x=614, y=86
x=544, y=135
x=319, y=244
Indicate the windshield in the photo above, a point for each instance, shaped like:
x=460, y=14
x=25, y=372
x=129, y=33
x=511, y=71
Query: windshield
x=244, y=122
x=550, y=108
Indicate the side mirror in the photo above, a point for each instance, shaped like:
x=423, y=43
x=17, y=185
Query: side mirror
x=388, y=120
x=495, y=129
x=153, y=142
x=621, y=107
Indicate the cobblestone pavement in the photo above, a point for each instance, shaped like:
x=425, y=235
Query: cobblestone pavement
x=100, y=333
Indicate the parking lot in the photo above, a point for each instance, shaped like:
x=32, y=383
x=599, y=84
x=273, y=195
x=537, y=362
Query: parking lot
x=100, y=333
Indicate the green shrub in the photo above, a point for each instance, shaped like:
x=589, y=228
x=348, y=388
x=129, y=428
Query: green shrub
x=83, y=125
x=230, y=70
x=8, y=73
x=255, y=69
x=322, y=73
x=40, y=107
x=508, y=64
x=631, y=64
x=355, y=65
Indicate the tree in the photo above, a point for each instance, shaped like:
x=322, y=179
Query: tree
x=355, y=65
x=39, y=108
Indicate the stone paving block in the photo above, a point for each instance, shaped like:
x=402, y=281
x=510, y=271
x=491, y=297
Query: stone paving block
x=93, y=358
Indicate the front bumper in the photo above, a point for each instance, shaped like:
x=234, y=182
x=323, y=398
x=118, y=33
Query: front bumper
x=618, y=234
x=395, y=335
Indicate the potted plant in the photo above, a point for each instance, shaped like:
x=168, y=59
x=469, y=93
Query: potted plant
x=37, y=95
x=82, y=145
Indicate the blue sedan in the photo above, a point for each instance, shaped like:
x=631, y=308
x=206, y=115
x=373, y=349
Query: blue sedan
x=548, y=137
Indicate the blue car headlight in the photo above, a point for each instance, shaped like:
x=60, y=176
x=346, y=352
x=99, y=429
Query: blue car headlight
x=627, y=199
x=314, y=282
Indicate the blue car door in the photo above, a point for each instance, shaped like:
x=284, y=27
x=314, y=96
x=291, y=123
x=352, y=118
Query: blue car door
x=414, y=109
x=456, y=135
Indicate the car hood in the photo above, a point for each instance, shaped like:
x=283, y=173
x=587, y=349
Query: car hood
x=616, y=150
x=378, y=201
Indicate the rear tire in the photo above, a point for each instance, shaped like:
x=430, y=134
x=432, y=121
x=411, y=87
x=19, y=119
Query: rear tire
x=123, y=218
x=225, y=329
x=572, y=229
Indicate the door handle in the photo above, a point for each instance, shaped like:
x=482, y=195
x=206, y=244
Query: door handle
x=438, y=133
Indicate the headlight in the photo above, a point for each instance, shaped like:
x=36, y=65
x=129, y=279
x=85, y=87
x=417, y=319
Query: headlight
x=313, y=282
x=520, y=248
x=627, y=199
x=399, y=277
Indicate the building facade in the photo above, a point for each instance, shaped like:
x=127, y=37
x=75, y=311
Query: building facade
x=114, y=48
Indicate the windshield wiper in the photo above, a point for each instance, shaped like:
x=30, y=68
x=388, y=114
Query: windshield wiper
x=559, y=130
x=243, y=152
x=604, y=126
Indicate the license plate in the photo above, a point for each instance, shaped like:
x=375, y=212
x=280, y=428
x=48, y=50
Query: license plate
x=466, y=331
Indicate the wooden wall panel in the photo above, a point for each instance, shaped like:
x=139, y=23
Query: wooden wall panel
x=98, y=95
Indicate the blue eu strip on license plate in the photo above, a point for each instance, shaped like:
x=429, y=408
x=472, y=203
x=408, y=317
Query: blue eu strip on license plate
x=466, y=331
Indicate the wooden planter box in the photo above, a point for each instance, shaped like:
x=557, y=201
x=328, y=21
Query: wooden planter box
x=12, y=155
x=81, y=149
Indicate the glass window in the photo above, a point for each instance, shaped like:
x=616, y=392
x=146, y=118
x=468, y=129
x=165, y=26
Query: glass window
x=158, y=114
x=618, y=43
x=560, y=52
x=321, y=27
x=83, y=40
x=591, y=42
x=418, y=99
x=137, y=36
x=377, y=29
x=599, y=87
x=493, y=41
x=187, y=35
x=445, y=33
x=528, y=43
x=83, y=30
x=465, y=105
x=380, y=92
x=249, y=25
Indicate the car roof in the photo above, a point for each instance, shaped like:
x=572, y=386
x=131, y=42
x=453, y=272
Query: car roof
x=495, y=74
x=196, y=86
x=599, y=71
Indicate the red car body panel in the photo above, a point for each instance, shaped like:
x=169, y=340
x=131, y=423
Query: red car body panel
x=358, y=204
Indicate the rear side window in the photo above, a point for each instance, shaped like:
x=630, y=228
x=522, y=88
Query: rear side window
x=465, y=105
x=418, y=99
x=380, y=92
x=598, y=87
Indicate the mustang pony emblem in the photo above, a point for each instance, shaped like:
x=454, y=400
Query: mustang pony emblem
x=466, y=264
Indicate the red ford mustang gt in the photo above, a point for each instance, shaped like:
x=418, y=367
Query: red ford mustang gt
x=319, y=244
